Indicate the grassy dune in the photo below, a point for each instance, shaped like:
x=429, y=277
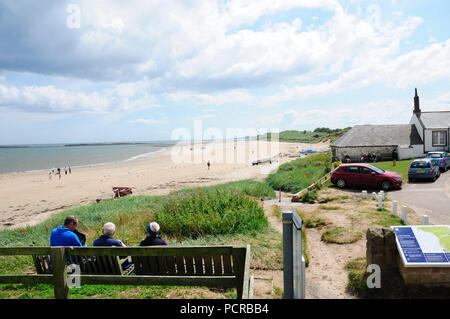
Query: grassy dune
x=226, y=214
x=296, y=175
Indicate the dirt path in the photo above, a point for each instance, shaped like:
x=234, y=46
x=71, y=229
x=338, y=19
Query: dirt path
x=326, y=276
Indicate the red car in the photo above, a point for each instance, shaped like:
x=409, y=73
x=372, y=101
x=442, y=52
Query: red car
x=365, y=175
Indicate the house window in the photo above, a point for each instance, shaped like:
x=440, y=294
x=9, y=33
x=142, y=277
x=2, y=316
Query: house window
x=439, y=138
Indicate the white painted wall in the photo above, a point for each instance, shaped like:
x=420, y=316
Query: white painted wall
x=414, y=151
x=414, y=120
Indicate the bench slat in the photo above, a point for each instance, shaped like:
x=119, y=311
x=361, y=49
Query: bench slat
x=208, y=265
x=26, y=279
x=206, y=281
x=227, y=268
x=170, y=262
x=180, y=265
x=150, y=251
x=162, y=264
x=199, y=269
x=218, y=271
x=189, y=265
x=23, y=251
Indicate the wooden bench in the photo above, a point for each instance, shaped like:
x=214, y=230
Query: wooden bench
x=100, y=265
x=210, y=266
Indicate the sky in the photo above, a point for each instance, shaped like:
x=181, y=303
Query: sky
x=113, y=71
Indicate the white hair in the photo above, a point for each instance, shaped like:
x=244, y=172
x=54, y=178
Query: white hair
x=109, y=229
x=154, y=226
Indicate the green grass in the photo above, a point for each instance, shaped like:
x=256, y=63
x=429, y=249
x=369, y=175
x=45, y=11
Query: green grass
x=226, y=214
x=296, y=175
x=248, y=187
x=383, y=218
x=400, y=168
x=341, y=235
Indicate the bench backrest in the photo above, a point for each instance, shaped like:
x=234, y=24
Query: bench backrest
x=100, y=265
x=180, y=265
x=211, y=266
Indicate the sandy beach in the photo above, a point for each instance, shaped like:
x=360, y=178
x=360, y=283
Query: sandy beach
x=30, y=197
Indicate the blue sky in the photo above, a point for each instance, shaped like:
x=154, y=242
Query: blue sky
x=105, y=71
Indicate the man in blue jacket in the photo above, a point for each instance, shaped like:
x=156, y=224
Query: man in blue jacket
x=64, y=235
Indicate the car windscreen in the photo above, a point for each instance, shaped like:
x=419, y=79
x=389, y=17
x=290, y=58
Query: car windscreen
x=435, y=155
x=420, y=165
x=376, y=169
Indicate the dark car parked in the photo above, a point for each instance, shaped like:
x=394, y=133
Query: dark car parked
x=425, y=168
x=365, y=175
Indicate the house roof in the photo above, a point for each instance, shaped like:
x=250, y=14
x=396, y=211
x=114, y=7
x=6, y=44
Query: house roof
x=437, y=119
x=402, y=135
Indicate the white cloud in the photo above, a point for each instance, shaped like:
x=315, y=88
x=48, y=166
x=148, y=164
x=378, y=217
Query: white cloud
x=48, y=99
x=202, y=117
x=208, y=53
x=388, y=112
x=229, y=97
x=148, y=121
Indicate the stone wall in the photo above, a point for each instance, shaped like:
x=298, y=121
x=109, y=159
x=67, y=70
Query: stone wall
x=384, y=152
x=382, y=250
x=355, y=153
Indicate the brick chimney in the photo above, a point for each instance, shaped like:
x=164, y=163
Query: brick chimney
x=416, y=103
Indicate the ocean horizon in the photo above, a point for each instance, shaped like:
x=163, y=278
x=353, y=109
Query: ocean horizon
x=35, y=157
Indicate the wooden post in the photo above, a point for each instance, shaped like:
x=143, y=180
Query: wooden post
x=241, y=267
x=59, y=272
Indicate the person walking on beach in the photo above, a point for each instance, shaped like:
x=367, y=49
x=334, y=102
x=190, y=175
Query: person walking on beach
x=65, y=169
x=153, y=238
x=70, y=170
x=50, y=176
x=209, y=164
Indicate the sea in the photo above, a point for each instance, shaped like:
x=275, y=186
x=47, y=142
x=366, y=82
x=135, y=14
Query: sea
x=24, y=158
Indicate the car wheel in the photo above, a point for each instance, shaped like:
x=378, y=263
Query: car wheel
x=386, y=186
x=410, y=180
x=341, y=183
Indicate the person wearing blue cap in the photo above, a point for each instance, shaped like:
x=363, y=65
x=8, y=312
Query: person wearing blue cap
x=153, y=238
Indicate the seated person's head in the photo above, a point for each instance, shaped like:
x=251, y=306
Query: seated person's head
x=153, y=229
x=71, y=222
x=109, y=229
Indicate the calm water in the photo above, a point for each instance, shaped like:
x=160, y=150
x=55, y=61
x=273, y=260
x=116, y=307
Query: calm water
x=46, y=157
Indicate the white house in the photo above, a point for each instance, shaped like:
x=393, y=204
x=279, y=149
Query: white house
x=433, y=127
x=426, y=131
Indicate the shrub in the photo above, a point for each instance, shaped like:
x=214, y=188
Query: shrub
x=309, y=197
x=209, y=211
x=298, y=174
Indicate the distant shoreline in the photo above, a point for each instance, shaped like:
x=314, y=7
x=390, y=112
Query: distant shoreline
x=156, y=143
